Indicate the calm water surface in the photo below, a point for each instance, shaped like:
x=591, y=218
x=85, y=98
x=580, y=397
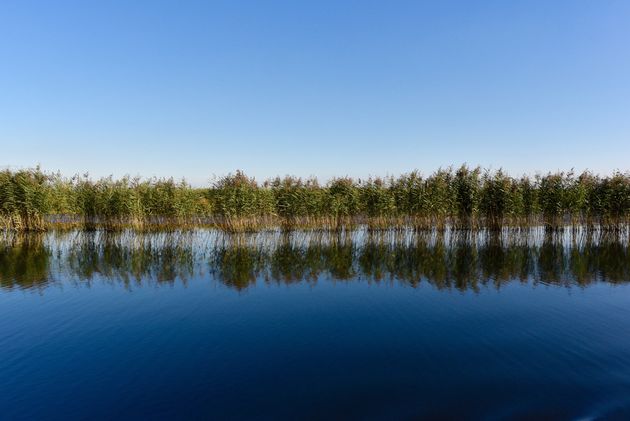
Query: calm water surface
x=387, y=326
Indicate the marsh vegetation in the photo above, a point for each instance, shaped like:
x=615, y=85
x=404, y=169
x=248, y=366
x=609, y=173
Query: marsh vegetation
x=463, y=198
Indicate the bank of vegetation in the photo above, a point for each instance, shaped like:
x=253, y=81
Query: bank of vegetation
x=463, y=198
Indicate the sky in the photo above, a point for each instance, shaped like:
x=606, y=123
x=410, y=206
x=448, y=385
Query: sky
x=198, y=89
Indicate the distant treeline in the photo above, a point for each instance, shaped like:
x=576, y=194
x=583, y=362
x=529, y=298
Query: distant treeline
x=456, y=198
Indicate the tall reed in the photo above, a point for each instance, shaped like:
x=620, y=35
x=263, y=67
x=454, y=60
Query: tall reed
x=465, y=198
x=24, y=200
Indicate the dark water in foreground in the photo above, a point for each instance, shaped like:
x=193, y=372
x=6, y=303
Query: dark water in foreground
x=377, y=327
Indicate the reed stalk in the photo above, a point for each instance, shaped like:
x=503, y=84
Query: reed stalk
x=462, y=199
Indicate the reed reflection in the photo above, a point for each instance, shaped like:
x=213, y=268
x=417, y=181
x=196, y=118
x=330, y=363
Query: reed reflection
x=459, y=262
x=24, y=262
x=129, y=258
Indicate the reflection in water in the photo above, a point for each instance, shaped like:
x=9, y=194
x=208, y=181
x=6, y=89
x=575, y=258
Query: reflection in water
x=24, y=262
x=463, y=261
x=128, y=258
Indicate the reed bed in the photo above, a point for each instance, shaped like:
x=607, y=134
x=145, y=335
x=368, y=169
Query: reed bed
x=461, y=199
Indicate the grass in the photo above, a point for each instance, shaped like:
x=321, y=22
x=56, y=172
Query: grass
x=462, y=198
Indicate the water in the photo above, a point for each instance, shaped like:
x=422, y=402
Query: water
x=314, y=326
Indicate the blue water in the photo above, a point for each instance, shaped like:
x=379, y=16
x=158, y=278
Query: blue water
x=126, y=341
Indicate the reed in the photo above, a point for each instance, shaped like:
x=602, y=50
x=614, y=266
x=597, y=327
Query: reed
x=299, y=203
x=502, y=200
x=462, y=199
x=24, y=200
x=378, y=203
x=241, y=205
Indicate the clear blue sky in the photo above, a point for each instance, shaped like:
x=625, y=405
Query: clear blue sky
x=195, y=88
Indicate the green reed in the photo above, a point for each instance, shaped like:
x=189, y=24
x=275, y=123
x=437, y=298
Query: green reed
x=24, y=200
x=462, y=198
